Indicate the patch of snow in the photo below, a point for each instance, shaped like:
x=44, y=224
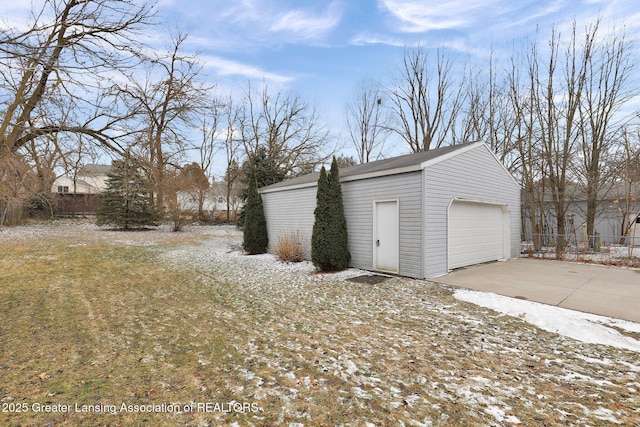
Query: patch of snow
x=500, y=415
x=581, y=326
x=351, y=367
x=606, y=415
x=360, y=393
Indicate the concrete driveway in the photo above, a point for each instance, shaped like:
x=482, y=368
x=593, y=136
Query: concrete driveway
x=608, y=291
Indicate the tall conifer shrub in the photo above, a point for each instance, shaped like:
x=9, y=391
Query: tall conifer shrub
x=255, y=237
x=329, y=242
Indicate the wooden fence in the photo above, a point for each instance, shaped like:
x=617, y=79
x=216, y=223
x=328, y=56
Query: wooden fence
x=12, y=212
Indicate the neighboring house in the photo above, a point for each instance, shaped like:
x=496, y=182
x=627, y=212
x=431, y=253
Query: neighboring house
x=619, y=208
x=90, y=179
x=219, y=198
x=419, y=215
x=79, y=196
x=214, y=202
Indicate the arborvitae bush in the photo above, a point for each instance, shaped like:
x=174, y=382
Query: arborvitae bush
x=265, y=171
x=329, y=241
x=255, y=237
x=340, y=242
x=319, y=238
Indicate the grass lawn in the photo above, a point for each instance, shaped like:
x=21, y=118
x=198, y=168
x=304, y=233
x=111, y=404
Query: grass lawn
x=156, y=328
x=103, y=324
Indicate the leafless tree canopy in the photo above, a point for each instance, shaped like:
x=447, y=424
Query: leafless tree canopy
x=161, y=106
x=367, y=121
x=286, y=127
x=65, y=57
x=568, y=99
x=426, y=100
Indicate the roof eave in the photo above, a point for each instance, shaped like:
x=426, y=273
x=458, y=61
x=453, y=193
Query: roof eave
x=358, y=177
x=451, y=154
x=386, y=172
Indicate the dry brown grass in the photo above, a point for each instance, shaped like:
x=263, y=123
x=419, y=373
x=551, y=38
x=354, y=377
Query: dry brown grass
x=101, y=318
x=105, y=324
x=290, y=247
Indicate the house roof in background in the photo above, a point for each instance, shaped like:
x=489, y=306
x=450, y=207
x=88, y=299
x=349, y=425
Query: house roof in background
x=95, y=169
x=394, y=165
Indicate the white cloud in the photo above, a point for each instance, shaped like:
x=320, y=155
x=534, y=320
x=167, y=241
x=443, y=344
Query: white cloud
x=368, y=39
x=305, y=24
x=226, y=68
x=243, y=11
x=529, y=20
x=419, y=16
x=266, y=18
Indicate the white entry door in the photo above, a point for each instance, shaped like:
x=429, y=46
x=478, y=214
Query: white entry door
x=386, y=236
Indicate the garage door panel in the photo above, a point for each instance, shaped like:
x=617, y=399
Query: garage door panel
x=475, y=233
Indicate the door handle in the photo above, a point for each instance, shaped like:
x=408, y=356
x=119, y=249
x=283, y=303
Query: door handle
x=377, y=242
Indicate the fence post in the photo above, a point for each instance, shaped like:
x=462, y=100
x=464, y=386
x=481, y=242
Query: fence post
x=4, y=214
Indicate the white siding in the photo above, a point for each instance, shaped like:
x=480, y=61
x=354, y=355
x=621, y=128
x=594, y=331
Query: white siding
x=290, y=211
x=423, y=196
x=358, y=199
x=473, y=175
x=81, y=187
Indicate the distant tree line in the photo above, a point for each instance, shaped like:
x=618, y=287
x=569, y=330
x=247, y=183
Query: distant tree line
x=558, y=114
x=79, y=82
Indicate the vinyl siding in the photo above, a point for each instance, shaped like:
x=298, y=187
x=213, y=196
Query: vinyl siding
x=474, y=175
x=423, y=196
x=290, y=211
x=359, y=197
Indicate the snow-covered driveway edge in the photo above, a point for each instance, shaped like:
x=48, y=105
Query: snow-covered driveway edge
x=586, y=327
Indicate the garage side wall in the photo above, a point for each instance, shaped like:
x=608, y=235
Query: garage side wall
x=359, y=197
x=474, y=175
x=290, y=211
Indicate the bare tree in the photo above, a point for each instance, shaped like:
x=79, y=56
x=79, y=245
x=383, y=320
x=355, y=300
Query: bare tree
x=68, y=51
x=609, y=69
x=530, y=161
x=367, y=121
x=221, y=134
x=231, y=144
x=558, y=88
x=489, y=115
x=208, y=146
x=629, y=172
x=426, y=100
x=163, y=104
x=286, y=128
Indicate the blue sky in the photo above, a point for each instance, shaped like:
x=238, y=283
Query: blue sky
x=321, y=49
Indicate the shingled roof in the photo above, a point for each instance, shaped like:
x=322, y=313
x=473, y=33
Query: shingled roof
x=95, y=169
x=391, y=166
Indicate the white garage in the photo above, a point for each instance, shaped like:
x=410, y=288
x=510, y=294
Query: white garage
x=419, y=215
x=477, y=233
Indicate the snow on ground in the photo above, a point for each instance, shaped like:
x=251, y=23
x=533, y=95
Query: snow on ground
x=402, y=352
x=589, y=328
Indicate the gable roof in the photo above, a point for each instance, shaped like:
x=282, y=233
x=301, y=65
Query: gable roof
x=392, y=166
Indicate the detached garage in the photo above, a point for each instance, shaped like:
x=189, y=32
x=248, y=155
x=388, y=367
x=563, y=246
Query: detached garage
x=419, y=215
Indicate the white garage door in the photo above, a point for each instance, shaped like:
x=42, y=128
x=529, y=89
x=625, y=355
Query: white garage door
x=476, y=233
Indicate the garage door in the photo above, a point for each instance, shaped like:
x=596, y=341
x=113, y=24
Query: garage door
x=476, y=233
